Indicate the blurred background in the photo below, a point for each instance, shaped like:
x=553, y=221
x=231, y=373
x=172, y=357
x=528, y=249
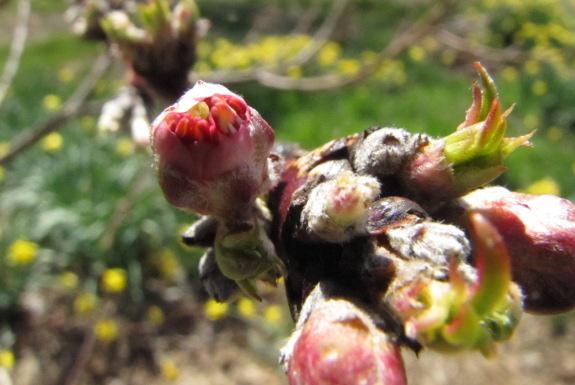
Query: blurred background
x=95, y=285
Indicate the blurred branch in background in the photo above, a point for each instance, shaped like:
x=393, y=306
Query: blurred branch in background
x=71, y=108
x=16, y=48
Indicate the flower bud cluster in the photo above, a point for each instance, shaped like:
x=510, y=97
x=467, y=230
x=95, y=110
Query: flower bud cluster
x=386, y=239
x=158, y=42
x=212, y=153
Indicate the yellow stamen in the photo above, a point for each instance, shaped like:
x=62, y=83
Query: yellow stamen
x=200, y=110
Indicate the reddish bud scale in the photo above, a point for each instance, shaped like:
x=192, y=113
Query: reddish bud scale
x=339, y=345
x=539, y=234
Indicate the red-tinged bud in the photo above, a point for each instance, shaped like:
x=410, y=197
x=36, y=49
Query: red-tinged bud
x=539, y=234
x=340, y=345
x=470, y=157
x=211, y=152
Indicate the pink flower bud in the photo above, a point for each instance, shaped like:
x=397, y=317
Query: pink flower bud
x=539, y=234
x=340, y=345
x=211, y=152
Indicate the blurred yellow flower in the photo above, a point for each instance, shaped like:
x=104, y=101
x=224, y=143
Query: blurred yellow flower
x=7, y=359
x=448, y=57
x=51, y=102
x=4, y=148
x=544, y=186
x=87, y=122
x=169, y=369
x=84, y=303
x=554, y=134
x=273, y=314
x=22, y=252
x=328, y=54
x=124, y=147
x=349, y=67
x=539, y=88
x=531, y=121
x=532, y=67
x=66, y=75
x=429, y=43
x=294, y=72
x=106, y=330
x=214, y=310
x=114, y=280
x=416, y=53
x=246, y=308
x=53, y=142
x=168, y=265
x=155, y=315
x=509, y=74
x=68, y=280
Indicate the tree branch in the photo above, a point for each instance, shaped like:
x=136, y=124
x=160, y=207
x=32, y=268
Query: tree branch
x=397, y=45
x=16, y=48
x=71, y=108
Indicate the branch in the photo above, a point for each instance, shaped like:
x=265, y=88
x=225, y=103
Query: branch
x=402, y=41
x=320, y=37
x=16, y=48
x=71, y=108
x=478, y=50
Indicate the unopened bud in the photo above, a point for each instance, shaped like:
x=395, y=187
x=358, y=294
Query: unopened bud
x=539, y=234
x=340, y=345
x=337, y=210
x=211, y=152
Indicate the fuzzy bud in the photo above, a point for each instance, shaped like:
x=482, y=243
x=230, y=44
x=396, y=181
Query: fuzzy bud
x=340, y=345
x=337, y=210
x=211, y=152
x=539, y=234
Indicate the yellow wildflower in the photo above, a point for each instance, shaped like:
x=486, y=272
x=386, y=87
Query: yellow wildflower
x=554, y=134
x=544, y=186
x=214, y=310
x=509, y=74
x=51, y=102
x=84, y=303
x=155, y=315
x=539, y=88
x=349, y=67
x=531, y=121
x=68, y=280
x=294, y=72
x=246, y=308
x=124, y=147
x=328, y=54
x=7, y=359
x=448, y=57
x=53, y=142
x=87, y=122
x=169, y=369
x=416, y=53
x=168, y=264
x=4, y=148
x=114, y=280
x=106, y=330
x=532, y=67
x=22, y=252
x=273, y=314
x=66, y=75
